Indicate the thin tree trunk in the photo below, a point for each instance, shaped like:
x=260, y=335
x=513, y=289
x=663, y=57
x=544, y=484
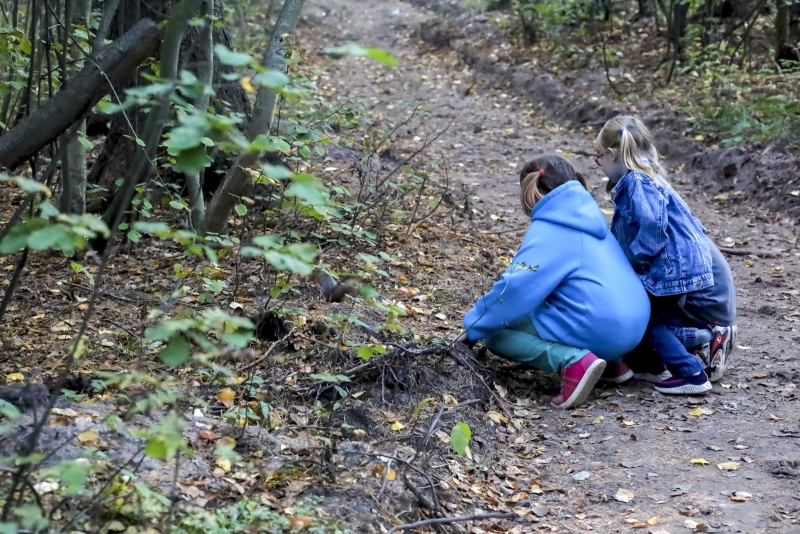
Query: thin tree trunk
x=205, y=73
x=75, y=160
x=142, y=161
x=781, y=27
x=260, y=123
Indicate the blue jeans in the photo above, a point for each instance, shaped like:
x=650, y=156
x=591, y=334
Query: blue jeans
x=679, y=323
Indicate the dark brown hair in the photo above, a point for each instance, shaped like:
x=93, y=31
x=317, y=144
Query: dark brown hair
x=543, y=174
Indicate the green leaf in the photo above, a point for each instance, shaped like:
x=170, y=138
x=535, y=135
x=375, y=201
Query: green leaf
x=193, y=160
x=325, y=377
x=238, y=338
x=271, y=78
x=25, y=46
x=177, y=205
x=277, y=172
x=27, y=185
x=156, y=448
x=228, y=57
x=355, y=50
x=85, y=143
x=154, y=228
x=365, y=353
x=241, y=209
x=49, y=237
x=176, y=352
x=460, y=437
x=9, y=411
x=73, y=474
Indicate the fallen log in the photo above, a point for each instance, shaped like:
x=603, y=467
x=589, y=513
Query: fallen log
x=114, y=63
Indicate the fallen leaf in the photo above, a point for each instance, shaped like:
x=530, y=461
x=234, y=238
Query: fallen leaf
x=740, y=496
x=697, y=412
x=207, y=435
x=224, y=464
x=397, y=426
x=624, y=495
x=728, y=466
x=359, y=433
x=501, y=390
x=597, y=420
x=699, y=461
x=652, y=521
x=690, y=524
x=226, y=396
x=15, y=377
x=89, y=437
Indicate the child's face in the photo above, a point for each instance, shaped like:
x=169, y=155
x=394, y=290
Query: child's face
x=611, y=165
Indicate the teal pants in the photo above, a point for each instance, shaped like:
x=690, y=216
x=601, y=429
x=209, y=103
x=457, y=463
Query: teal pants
x=521, y=343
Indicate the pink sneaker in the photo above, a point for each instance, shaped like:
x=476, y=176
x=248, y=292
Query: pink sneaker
x=577, y=381
x=616, y=373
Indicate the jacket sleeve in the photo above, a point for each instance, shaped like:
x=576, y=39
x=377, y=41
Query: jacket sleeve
x=548, y=259
x=648, y=208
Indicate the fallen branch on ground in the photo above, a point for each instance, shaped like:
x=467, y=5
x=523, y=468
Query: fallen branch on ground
x=743, y=252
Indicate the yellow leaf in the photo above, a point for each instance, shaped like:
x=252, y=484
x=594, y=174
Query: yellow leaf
x=624, y=495
x=728, y=466
x=226, y=396
x=246, y=85
x=398, y=426
x=607, y=212
x=697, y=412
x=699, y=138
x=392, y=475
x=699, y=461
x=15, y=377
x=721, y=196
x=89, y=437
x=359, y=433
x=597, y=420
x=224, y=464
x=652, y=521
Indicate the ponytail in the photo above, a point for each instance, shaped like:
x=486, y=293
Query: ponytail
x=635, y=145
x=529, y=192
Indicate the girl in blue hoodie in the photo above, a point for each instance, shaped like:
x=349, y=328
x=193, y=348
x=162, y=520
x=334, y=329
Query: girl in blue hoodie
x=570, y=301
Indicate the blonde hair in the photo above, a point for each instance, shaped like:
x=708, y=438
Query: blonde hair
x=541, y=175
x=634, y=143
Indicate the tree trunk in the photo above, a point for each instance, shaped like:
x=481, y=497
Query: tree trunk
x=645, y=9
x=90, y=85
x=74, y=190
x=781, y=27
x=260, y=123
x=142, y=161
x=205, y=73
x=680, y=13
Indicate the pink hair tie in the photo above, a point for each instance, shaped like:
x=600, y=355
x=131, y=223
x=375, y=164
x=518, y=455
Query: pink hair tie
x=541, y=172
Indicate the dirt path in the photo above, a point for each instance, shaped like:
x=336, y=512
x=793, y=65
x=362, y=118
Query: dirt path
x=629, y=438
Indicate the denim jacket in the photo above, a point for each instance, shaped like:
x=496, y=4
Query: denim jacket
x=663, y=241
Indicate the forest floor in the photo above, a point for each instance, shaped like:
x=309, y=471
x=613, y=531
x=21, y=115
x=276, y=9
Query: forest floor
x=630, y=460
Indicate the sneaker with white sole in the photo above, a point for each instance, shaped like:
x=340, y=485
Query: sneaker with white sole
x=716, y=355
x=577, y=381
x=685, y=385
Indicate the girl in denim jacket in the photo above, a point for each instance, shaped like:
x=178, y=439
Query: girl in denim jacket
x=693, y=299
x=569, y=302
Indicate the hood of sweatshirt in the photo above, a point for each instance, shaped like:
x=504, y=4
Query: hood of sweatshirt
x=572, y=206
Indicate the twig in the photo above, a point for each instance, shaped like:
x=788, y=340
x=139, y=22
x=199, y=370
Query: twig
x=444, y=520
x=744, y=252
x=266, y=354
x=385, y=480
x=421, y=497
x=431, y=430
x=454, y=354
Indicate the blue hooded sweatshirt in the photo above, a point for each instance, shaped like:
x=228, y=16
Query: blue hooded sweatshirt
x=571, y=278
